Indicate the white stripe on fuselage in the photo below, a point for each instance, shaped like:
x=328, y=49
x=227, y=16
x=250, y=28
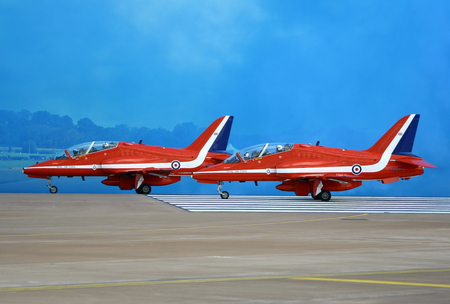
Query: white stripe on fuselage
x=380, y=165
x=201, y=156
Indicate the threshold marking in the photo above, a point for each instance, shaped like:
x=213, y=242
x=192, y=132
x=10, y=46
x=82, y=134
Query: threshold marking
x=338, y=204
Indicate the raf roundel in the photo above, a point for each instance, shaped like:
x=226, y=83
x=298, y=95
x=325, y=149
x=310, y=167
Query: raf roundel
x=175, y=165
x=356, y=169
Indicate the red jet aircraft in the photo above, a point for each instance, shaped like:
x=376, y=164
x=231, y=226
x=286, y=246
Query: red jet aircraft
x=306, y=169
x=138, y=166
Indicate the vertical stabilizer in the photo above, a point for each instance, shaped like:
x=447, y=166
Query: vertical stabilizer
x=400, y=137
x=215, y=136
x=221, y=142
x=406, y=144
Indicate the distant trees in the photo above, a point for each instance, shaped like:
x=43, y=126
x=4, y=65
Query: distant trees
x=42, y=129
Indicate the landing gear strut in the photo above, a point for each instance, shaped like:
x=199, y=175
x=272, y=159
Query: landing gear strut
x=223, y=194
x=51, y=188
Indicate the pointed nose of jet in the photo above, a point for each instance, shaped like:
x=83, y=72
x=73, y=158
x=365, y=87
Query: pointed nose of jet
x=38, y=170
x=28, y=170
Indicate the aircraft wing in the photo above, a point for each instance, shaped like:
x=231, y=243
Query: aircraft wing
x=296, y=170
x=149, y=170
x=324, y=176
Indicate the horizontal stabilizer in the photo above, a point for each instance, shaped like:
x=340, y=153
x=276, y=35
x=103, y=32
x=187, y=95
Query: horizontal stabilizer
x=417, y=162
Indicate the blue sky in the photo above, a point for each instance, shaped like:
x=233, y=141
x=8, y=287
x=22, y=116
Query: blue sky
x=341, y=72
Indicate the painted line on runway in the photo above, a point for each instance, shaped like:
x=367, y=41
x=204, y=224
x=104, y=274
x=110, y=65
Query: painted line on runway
x=386, y=272
x=316, y=277
x=376, y=282
x=291, y=204
x=179, y=228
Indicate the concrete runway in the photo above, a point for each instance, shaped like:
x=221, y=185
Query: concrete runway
x=83, y=248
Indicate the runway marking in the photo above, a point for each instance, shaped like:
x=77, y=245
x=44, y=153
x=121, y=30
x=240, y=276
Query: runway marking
x=180, y=228
x=316, y=277
x=376, y=282
x=338, y=204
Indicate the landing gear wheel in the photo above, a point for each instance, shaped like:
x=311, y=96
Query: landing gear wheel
x=144, y=189
x=53, y=189
x=324, y=196
x=224, y=195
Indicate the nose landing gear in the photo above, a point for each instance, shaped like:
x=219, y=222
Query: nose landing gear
x=223, y=194
x=52, y=189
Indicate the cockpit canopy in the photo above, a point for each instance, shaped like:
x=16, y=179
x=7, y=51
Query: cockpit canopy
x=258, y=151
x=87, y=147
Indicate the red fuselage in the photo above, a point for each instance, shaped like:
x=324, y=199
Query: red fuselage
x=307, y=160
x=126, y=157
x=159, y=165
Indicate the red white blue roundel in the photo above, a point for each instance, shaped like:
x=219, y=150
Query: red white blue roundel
x=356, y=169
x=175, y=165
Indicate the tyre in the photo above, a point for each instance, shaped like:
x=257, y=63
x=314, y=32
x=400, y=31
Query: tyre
x=53, y=189
x=224, y=195
x=144, y=189
x=324, y=196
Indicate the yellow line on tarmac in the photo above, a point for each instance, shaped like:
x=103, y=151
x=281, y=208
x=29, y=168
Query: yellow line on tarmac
x=179, y=228
x=377, y=282
x=383, y=272
x=142, y=283
x=235, y=279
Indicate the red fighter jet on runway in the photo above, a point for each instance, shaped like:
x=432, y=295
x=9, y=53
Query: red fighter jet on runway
x=137, y=166
x=316, y=170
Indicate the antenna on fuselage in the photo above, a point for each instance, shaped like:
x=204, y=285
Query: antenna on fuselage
x=318, y=143
x=140, y=141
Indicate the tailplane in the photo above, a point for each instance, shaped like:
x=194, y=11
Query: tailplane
x=215, y=137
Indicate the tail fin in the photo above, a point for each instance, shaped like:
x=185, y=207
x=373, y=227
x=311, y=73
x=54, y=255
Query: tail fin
x=399, y=139
x=215, y=137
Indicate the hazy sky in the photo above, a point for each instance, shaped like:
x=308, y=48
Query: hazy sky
x=341, y=71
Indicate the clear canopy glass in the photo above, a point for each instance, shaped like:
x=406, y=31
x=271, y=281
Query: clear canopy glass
x=87, y=147
x=258, y=151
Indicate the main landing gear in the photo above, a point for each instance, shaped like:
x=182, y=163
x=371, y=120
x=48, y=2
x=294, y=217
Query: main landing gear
x=144, y=189
x=52, y=189
x=324, y=196
x=223, y=194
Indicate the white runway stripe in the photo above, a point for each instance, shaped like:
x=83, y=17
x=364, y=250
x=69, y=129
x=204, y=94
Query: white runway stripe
x=347, y=204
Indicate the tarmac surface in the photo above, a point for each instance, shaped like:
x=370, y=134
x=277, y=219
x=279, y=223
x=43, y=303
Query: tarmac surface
x=97, y=248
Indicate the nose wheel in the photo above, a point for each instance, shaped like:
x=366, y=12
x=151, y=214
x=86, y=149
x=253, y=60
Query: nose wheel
x=223, y=194
x=52, y=189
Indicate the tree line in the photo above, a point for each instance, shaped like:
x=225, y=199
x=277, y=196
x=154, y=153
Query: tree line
x=41, y=129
